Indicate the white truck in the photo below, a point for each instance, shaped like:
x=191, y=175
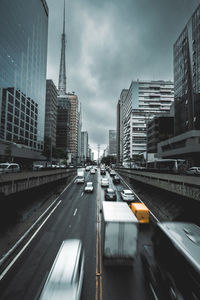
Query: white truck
x=120, y=233
x=80, y=176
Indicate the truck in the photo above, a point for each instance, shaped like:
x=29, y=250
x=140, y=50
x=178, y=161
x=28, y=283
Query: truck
x=171, y=261
x=80, y=176
x=120, y=234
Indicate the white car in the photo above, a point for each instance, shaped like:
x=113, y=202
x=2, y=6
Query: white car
x=193, y=171
x=92, y=171
x=9, y=168
x=89, y=187
x=104, y=182
x=127, y=195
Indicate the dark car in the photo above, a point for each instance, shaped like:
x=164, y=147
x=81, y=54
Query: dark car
x=116, y=179
x=103, y=172
x=110, y=194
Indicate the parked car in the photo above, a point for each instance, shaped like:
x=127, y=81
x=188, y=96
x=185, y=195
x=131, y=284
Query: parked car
x=89, y=187
x=116, y=179
x=193, y=171
x=110, y=194
x=65, y=278
x=104, y=182
x=127, y=195
x=9, y=168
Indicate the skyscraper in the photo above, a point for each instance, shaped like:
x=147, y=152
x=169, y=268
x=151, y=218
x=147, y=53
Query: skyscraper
x=23, y=57
x=112, y=142
x=51, y=112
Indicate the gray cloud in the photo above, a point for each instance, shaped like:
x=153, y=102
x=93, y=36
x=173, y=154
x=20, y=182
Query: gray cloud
x=109, y=43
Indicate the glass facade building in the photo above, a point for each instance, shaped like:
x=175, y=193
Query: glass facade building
x=23, y=57
x=187, y=77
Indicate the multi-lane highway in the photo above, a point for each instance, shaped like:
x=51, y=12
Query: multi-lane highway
x=74, y=215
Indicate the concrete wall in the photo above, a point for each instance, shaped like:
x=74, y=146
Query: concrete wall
x=188, y=186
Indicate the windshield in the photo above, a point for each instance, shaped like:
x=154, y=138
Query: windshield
x=3, y=166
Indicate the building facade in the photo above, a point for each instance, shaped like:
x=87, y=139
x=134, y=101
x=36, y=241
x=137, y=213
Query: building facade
x=51, y=111
x=63, y=123
x=84, y=146
x=23, y=58
x=186, y=143
x=112, y=142
x=142, y=101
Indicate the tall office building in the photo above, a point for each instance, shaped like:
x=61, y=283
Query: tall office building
x=185, y=144
x=112, y=142
x=51, y=111
x=79, y=133
x=63, y=123
x=84, y=145
x=74, y=122
x=23, y=57
x=141, y=103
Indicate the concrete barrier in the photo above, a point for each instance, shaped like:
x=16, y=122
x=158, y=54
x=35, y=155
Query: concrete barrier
x=187, y=186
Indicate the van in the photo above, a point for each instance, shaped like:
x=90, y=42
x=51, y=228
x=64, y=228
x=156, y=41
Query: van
x=66, y=275
x=140, y=211
x=9, y=168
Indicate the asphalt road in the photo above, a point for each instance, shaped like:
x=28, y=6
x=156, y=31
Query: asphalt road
x=77, y=216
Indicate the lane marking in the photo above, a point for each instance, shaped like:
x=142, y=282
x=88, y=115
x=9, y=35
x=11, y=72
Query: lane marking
x=26, y=245
x=29, y=230
x=82, y=194
x=75, y=212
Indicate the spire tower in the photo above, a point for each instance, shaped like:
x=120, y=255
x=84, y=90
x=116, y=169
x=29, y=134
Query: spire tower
x=62, y=72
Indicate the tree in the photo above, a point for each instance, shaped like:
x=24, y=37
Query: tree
x=108, y=160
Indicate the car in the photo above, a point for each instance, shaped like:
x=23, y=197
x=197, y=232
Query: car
x=110, y=194
x=127, y=195
x=92, y=171
x=9, y=168
x=65, y=278
x=112, y=173
x=87, y=168
x=193, y=171
x=89, y=187
x=116, y=179
x=104, y=182
x=38, y=167
x=103, y=172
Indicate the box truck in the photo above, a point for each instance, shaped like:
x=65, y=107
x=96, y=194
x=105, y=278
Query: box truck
x=80, y=176
x=120, y=233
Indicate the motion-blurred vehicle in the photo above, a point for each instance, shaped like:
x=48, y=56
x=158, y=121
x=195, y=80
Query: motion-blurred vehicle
x=141, y=212
x=110, y=194
x=103, y=172
x=116, y=179
x=92, y=171
x=104, y=182
x=193, y=171
x=9, y=168
x=120, y=234
x=127, y=195
x=66, y=275
x=172, y=262
x=89, y=187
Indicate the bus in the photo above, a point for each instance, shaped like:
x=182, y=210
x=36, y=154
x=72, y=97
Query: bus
x=177, y=166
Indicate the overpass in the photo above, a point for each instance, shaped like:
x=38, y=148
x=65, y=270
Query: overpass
x=19, y=182
x=187, y=186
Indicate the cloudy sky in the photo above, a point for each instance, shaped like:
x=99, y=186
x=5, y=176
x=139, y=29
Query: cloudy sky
x=110, y=43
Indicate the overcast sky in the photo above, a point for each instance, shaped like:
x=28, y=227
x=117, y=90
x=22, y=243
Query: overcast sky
x=110, y=43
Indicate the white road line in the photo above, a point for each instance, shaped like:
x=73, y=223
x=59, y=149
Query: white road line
x=26, y=245
x=28, y=231
x=138, y=197
x=75, y=212
x=82, y=194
